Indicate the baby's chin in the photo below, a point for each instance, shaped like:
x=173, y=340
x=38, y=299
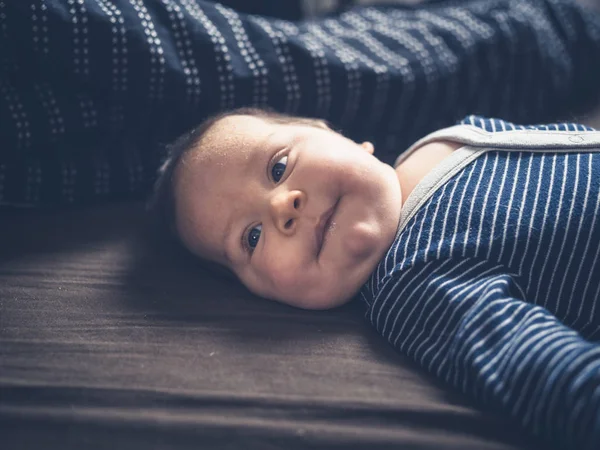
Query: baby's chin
x=331, y=289
x=319, y=301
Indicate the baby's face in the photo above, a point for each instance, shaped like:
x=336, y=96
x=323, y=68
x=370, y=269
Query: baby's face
x=300, y=214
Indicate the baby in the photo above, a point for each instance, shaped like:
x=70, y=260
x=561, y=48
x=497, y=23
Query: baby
x=477, y=255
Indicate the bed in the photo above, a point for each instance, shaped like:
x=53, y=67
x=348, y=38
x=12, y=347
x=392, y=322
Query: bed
x=111, y=339
x=109, y=342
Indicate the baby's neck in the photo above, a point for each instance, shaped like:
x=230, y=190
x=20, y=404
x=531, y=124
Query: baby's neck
x=421, y=161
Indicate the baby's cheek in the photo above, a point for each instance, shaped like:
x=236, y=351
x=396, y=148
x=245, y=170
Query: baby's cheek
x=363, y=238
x=284, y=277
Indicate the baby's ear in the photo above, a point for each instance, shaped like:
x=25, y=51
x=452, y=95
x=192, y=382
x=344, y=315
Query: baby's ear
x=368, y=147
x=322, y=124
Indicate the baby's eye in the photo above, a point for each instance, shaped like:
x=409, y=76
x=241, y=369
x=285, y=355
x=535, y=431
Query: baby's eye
x=253, y=237
x=278, y=169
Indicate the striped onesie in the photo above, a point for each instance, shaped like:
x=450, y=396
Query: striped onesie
x=493, y=280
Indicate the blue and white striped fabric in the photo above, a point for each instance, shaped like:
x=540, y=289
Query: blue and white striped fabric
x=493, y=280
x=91, y=91
x=494, y=125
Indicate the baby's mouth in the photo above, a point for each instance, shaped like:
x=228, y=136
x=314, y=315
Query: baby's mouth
x=323, y=226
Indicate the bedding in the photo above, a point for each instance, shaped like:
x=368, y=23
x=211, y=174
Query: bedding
x=93, y=90
x=107, y=341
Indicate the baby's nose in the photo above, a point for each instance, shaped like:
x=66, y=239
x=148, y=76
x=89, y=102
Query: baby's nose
x=286, y=208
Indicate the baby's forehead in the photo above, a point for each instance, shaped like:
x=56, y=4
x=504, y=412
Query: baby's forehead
x=231, y=144
x=240, y=139
x=236, y=130
x=232, y=137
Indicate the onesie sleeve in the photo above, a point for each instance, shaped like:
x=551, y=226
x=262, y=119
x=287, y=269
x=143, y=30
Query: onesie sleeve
x=468, y=323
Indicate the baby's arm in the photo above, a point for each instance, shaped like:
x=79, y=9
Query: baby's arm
x=466, y=321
